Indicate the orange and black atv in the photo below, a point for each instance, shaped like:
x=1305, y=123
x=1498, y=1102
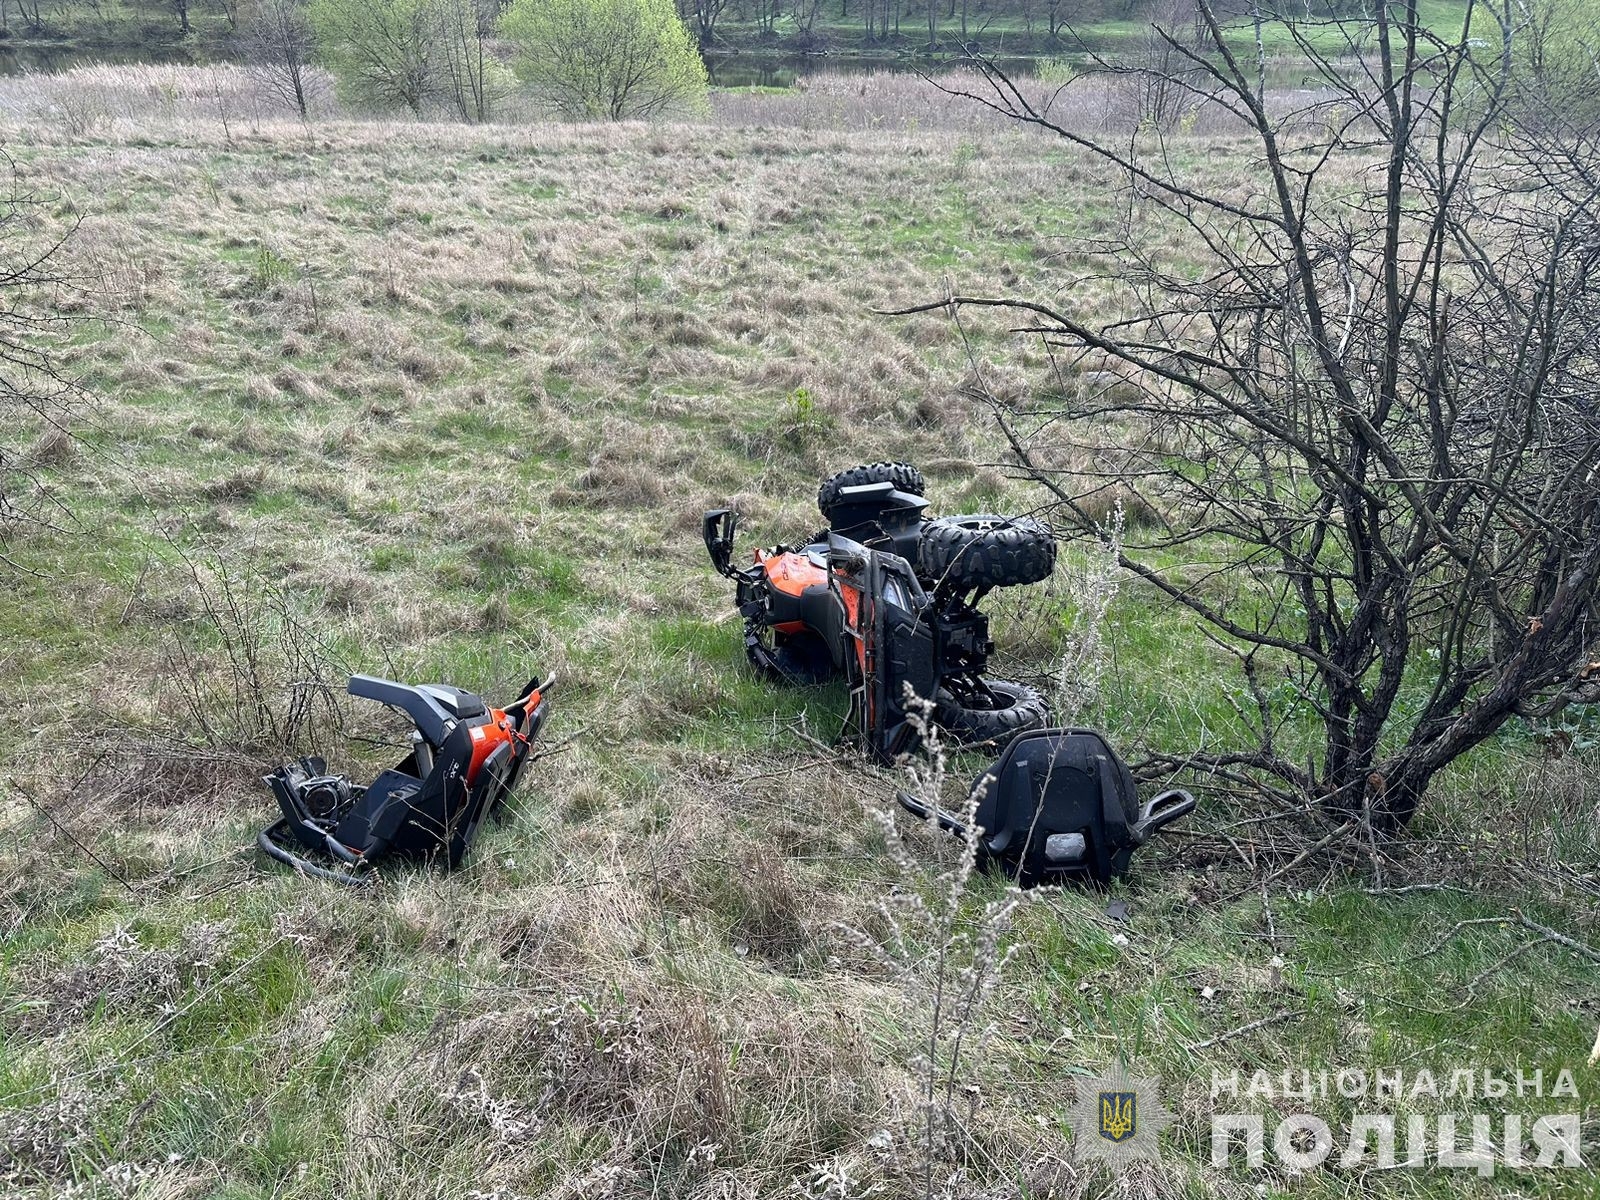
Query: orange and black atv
x=889, y=598
x=464, y=760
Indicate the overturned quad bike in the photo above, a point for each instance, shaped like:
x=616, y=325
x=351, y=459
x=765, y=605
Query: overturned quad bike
x=464, y=759
x=890, y=598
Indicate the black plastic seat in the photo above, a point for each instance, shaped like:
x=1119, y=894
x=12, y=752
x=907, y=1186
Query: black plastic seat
x=1055, y=784
x=1060, y=803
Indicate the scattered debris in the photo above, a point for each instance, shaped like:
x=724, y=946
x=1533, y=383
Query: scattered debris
x=465, y=758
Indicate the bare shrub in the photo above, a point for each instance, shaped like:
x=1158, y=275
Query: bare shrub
x=1380, y=381
x=278, y=49
x=36, y=396
x=412, y=54
x=946, y=950
x=475, y=83
x=82, y=112
x=142, y=774
x=245, y=670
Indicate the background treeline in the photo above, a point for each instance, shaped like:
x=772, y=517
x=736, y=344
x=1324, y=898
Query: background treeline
x=466, y=58
x=1015, y=25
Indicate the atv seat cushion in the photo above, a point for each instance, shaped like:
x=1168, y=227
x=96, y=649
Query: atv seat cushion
x=1057, y=781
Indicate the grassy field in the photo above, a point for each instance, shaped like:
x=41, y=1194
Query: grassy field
x=439, y=402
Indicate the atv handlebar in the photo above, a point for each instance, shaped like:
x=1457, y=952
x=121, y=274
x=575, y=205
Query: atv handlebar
x=429, y=716
x=1163, y=810
x=519, y=707
x=718, y=527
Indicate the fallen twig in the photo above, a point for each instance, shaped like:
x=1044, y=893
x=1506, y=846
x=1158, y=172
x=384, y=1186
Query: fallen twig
x=1560, y=939
x=1457, y=928
x=1472, y=984
x=1407, y=889
x=73, y=838
x=1547, y=936
x=1282, y=1014
x=804, y=765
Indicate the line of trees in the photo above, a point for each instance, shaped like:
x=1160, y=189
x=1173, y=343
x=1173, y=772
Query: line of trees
x=996, y=25
x=1560, y=39
x=609, y=59
x=935, y=23
x=589, y=59
x=113, y=19
x=879, y=21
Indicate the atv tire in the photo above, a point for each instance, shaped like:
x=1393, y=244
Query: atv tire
x=904, y=476
x=1020, y=708
x=985, y=551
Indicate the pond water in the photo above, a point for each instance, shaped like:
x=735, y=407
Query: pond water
x=15, y=60
x=781, y=70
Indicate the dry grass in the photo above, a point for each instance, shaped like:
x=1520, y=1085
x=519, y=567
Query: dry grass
x=102, y=99
x=460, y=396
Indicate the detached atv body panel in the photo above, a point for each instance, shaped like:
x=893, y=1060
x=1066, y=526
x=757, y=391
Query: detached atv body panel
x=465, y=758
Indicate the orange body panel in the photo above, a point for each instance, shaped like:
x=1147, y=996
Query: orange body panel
x=792, y=574
x=486, y=739
x=852, y=606
x=852, y=612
